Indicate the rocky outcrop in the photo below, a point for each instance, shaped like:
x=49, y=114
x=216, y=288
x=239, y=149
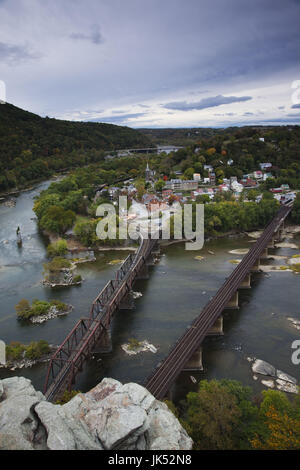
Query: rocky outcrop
x=110, y=416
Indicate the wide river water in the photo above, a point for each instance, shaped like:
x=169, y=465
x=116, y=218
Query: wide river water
x=178, y=288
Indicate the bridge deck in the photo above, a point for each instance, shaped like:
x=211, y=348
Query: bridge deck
x=163, y=377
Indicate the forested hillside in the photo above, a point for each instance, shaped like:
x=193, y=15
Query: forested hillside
x=33, y=147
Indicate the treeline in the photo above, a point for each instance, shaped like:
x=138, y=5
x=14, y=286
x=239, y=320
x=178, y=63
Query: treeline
x=224, y=414
x=241, y=146
x=233, y=216
x=32, y=147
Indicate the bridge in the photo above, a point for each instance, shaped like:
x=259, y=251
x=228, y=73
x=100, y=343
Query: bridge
x=93, y=332
x=186, y=354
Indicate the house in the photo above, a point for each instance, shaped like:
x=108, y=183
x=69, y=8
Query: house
x=149, y=199
x=267, y=175
x=113, y=192
x=223, y=187
x=262, y=139
x=166, y=193
x=206, y=180
x=258, y=175
x=196, y=177
x=285, y=187
x=236, y=187
x=249, y=183
x=212, y=178
x=183, y=185
x=276, y=190
x=208, y=168
x=265, y=166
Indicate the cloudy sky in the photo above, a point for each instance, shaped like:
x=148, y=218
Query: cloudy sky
x=153, y=63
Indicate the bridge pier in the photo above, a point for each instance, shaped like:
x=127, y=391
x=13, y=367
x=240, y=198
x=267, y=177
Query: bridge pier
x=156, y=251
x=246, y=283
x=264, y=254
x=234, y=301
x=256, y=267
x=127, y=303
x=195, y=362
x=143, y=273
x=150, y=260
x=105, y=344
x=217, y=328
x=278, y=234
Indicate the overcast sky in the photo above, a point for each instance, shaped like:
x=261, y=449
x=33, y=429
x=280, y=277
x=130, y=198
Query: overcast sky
x=153, y=63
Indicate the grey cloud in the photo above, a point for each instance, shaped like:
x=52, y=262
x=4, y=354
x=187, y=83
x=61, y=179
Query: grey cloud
x=94, y=36
x=123, y=119
x=14, y=54
x=296, y=106
x=205, y=102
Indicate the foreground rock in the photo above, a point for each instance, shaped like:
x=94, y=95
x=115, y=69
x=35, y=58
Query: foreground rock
x=110, y=416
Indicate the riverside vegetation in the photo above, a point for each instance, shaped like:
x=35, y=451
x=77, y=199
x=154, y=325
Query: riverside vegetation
x=223, y=414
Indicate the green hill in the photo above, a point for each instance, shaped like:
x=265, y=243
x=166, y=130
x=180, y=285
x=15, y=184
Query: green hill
x=33, y=147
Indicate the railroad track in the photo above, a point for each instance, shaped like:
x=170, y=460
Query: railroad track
x=165, y=374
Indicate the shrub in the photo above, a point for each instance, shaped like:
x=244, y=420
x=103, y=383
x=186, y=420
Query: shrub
x=14, y=351
x=77, y=278
x=57, y=264
x=133, y=343
x=67, y=396
x=58, y=248
x=37, y=349
x=23, y=308
x=61, y=306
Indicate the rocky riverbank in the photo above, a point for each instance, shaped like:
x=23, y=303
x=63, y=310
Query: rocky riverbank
x=111, y=416
x=275, y=378
x=25, y=363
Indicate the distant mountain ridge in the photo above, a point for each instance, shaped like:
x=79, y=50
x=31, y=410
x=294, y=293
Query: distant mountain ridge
x=32, y=147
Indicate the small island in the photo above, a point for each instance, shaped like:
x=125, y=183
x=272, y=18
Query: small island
x=19, y=355
x=41, y=311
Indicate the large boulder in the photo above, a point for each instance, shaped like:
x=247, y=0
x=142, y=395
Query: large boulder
x=110, y=416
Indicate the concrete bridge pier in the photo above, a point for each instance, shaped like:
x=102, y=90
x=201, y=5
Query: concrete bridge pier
x=256, y=267
x=104, y=345
x=217, y=328
x=264, y=254
x=195, y=362
x=234, y=301
x=246, y=283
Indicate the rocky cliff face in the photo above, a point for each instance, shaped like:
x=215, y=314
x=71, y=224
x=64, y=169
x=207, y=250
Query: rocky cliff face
x=110, y=416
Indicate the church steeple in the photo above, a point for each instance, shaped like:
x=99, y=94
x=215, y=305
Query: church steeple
x=148, y=173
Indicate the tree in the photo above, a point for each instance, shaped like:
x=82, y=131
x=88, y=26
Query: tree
x=57, y=220
x=58, y=248
x=212, y=413
x=279, y=426
x=296, y=210
x=22, y=308
x=159, y=185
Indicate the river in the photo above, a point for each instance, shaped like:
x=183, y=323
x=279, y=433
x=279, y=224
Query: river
x=178, y=288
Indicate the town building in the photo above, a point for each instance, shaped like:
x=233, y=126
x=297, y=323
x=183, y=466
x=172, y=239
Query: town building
x=181, y=185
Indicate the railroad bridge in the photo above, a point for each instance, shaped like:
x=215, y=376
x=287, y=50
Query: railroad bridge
x=93, y=332
x=186, y=353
